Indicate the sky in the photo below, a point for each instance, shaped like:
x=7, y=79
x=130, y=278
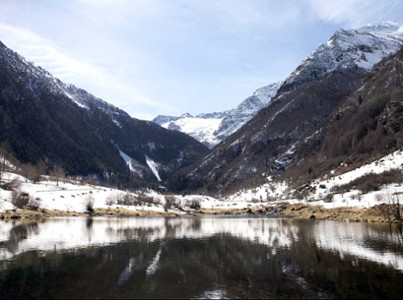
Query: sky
x=169, y=57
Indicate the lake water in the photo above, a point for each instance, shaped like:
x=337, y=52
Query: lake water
x=207, y=257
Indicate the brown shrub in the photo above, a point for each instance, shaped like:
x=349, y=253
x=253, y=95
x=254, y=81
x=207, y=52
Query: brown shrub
x=194, y=204
x=20, y=199
x=141, y=199
x=329, y=198
x=126, y=199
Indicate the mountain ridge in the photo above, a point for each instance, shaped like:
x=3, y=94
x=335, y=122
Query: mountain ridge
x=62, y=125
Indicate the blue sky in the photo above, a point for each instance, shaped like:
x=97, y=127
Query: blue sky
x=152, y=57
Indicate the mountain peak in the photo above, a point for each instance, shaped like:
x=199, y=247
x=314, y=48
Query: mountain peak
x=360, y=48
x=266, y=93
x=186, y=115
x=212, y=128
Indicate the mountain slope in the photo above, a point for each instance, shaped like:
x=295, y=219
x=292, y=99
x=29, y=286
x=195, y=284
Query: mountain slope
x=46, y=120
x=212, y=128
x=280, y=138
x=367, y=125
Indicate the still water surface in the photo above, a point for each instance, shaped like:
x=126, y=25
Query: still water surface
x=209, y=257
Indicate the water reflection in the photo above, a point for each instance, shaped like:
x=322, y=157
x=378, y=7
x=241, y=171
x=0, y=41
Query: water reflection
x=198, y=258
x=68, y=233
x=19, y=233
x=360, y=240
x=135, y=264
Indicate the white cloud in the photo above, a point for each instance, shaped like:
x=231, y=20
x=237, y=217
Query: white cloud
x=356, y=12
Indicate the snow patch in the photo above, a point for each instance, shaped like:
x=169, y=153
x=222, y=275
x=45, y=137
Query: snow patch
x=202, y=129
x=132, y=164
x=117, y=123
x=80, y=104
x=127, y=159
x=152, y=268
x=153, y=167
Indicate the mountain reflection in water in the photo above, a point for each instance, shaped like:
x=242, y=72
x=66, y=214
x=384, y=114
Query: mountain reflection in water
x=209, y=257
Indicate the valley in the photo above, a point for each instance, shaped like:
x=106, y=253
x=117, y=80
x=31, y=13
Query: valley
x=275, y=149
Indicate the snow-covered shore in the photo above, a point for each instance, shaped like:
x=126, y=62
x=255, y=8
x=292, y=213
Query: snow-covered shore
x=71, y=196
x=74, y=197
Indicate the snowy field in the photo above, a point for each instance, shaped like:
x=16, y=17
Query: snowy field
x=74, y=197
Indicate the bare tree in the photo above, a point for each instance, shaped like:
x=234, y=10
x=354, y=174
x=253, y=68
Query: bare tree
x=89, y=204
x=396, y=207
x=34, y=172
x=169, y=202
x=28, y=171
x=2, y=164
x=3, y=154
x=391, y=208
x=58, y=173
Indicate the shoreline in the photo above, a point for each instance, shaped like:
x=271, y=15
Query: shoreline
x=375, y=214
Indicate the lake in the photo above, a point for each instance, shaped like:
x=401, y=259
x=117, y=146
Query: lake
x=199, y=257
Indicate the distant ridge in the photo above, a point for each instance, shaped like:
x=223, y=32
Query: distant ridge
x=212, y=128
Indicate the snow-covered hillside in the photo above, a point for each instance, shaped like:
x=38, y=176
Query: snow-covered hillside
x=321, y=188
x=212, y=128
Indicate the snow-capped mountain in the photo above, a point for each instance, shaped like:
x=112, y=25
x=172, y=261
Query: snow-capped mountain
x=212, y=128
x=334, y=108
x=361, y=48
x=46, y=120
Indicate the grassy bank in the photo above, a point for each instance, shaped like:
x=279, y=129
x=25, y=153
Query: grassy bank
x=380, y=213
